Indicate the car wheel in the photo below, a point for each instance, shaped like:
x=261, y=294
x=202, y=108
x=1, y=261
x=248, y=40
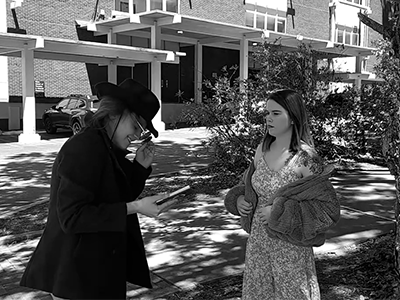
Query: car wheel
x=76, y=127
x=48, y=126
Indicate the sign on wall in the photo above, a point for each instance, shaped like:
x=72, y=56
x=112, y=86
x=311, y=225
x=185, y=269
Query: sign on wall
x=39, y=88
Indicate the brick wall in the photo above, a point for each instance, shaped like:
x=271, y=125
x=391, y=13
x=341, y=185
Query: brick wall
x=227, y=11
x=372, y=34
x=53, y=18
x=311, y=19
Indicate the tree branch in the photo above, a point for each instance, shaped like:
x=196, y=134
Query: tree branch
x=372, y=23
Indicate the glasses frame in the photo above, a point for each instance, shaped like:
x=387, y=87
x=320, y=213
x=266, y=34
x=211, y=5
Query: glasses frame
x=145, y=132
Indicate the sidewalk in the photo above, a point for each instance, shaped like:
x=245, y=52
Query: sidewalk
x=191, y=245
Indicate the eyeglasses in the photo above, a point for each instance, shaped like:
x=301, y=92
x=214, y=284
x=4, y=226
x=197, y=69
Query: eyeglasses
x=145, y=133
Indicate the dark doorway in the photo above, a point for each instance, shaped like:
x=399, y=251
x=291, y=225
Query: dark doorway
x=170, y=84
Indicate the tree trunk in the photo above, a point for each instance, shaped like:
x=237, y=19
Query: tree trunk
x=391, y=152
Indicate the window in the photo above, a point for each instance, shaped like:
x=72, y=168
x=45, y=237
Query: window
x=138, y=6
x=156, y=4
x=271, y=23
x=263, y=17
x=348, y=35
x=360, y=2
x=72, y=104
x=281, y=25
x=249, y=19
x=81, y=104
x=62, y=104
x=124, y=6
x=148, y=5
x=260, y=22
x=265, y=21
x=172, y=5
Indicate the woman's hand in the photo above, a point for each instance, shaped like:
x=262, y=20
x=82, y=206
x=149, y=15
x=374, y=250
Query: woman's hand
x=265, y=213
x=243, y=206
x=145, y=154
x=148, y=206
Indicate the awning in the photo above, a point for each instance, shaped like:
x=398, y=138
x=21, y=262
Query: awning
x=192, y=30
x=82, y=51
x=365, y=77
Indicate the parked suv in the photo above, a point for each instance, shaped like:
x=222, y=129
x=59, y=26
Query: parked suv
x=71, y=112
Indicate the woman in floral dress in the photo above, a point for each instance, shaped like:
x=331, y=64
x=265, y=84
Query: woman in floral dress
x=276, y=269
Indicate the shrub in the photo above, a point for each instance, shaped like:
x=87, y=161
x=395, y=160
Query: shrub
x=342, y=124
x=233, y=116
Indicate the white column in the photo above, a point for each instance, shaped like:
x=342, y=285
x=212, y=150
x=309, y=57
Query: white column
x=244, y=60
x=3, y=59
x=112, y=68
x=198, y=72
x=156, y=75
x=28, y=96
x=362, y=35
x=332, y=10
x=358, y=64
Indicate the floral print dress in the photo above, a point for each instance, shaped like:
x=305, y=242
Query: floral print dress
x=275, y=269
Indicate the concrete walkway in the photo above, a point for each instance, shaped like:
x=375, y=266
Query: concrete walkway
x=196, y=243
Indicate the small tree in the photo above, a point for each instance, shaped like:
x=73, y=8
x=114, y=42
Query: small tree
x=233, y=116
x=343, y=124
x=388, y=68
x=234, y=111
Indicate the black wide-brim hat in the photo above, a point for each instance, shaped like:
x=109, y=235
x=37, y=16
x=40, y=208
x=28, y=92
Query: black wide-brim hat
x=138, y=99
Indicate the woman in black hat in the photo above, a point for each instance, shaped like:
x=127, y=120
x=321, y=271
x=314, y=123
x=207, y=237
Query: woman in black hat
x=92, y=242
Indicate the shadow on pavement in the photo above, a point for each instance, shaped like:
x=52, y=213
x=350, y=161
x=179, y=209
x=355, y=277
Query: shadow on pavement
x=369, y=190
x=25, y=178
x=13, y=260
x=198, y=240
x=6, y=138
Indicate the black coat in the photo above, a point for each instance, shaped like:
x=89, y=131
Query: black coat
x=90, y=247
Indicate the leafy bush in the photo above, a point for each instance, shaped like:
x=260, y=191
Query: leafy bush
x=343, y=124
x=234, y=117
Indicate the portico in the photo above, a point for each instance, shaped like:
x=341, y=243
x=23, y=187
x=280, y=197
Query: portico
x=29, y=47
x=161, y=25
x=160, y=29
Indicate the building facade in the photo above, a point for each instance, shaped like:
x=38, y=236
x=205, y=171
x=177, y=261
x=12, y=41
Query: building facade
x=213, y=34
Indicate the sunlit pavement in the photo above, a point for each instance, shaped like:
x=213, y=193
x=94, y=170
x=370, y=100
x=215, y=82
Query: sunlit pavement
x=195, y=243
x=367, y=197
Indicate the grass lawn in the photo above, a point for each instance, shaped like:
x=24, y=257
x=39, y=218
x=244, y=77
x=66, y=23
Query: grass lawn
x=363, y=271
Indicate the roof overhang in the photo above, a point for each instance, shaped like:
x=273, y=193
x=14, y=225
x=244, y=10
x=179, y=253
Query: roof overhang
x=192, y=30
x=82, y=51
x=352, y=77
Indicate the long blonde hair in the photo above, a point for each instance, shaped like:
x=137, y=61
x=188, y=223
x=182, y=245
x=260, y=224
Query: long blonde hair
x=109, y=107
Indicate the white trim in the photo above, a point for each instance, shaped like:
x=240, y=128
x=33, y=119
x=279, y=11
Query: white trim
x=206, y=30
x=355, y=4
x=70, y=50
